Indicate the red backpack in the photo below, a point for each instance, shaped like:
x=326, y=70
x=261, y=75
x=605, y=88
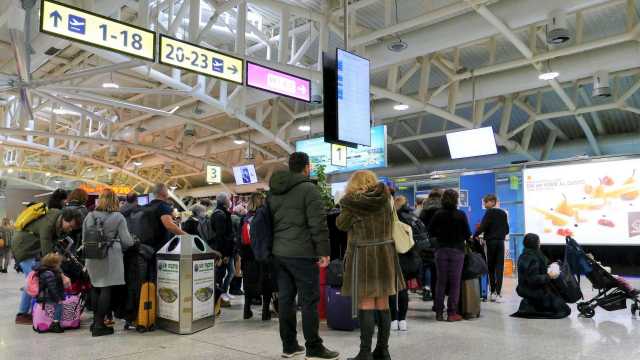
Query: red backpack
x=246, y=230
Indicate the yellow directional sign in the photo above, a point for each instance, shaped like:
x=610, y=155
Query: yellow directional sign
x=79, y=25
x=338, y=155
x=214, y=174
x=198, y=59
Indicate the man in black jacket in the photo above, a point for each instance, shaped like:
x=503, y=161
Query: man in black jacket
x=224, y=242
x=300, y=244
x=495, y=227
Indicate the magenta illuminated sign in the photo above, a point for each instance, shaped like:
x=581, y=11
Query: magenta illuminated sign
x=277, y=82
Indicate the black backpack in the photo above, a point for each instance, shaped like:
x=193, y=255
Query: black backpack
x=261, y=231
x=143, y=223
x=96, y=242
x=205, y=230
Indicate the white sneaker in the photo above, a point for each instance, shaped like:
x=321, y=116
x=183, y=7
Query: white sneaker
x=226, y=297
x=498, y=299
x=394, y=325
x=403, y=325
x=493, y=297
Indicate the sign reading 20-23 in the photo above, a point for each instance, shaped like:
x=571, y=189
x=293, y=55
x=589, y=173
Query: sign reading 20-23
x=198, y=59
x=79, y=25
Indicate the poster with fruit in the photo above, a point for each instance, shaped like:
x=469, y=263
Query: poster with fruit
x=597, y=203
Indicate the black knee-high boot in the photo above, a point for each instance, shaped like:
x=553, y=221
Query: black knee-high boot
x=266, y=307
x=367, y=327
x=384, y=331
x=248, y=314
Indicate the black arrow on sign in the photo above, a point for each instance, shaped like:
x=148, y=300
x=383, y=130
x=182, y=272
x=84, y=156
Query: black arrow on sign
x=233, y=69
x=56, y=17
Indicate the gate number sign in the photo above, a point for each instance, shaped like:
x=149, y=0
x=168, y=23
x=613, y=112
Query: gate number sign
x=75, y=24
x=201, y=60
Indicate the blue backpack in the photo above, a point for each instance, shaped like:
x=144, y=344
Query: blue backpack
x=261, y=231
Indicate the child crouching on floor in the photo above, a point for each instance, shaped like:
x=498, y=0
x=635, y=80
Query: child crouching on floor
x=51, y=287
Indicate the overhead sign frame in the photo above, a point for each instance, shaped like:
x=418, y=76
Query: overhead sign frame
x=240, y=68
x=214, y=174
x=307, y=81
x=78, y=27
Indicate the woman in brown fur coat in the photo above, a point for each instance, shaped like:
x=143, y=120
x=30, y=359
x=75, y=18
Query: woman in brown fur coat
x=372, y=271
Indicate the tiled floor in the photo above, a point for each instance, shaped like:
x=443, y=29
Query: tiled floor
x=610, y=336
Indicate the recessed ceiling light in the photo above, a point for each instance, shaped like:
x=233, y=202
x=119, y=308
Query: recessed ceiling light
x=547, y=76
x=173, y=188
x=110, y=85
x=239, y=141
x=304, y=127
x=401, y=107
x=47, y=174
x=137, y=163
x=111, y=170
x=10, y=170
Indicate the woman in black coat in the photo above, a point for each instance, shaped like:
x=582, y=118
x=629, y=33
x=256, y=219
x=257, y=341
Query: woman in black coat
x=538, y=300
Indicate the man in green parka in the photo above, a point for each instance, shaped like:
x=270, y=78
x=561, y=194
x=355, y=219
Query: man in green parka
x=300, y=244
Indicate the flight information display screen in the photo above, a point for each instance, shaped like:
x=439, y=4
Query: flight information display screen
x=354, y=107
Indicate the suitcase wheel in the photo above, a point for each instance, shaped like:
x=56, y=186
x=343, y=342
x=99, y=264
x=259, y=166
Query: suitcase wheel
x=141, y=329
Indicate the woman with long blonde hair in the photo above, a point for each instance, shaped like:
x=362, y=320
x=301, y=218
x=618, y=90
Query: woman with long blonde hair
x=372, y=271
x=107, y=272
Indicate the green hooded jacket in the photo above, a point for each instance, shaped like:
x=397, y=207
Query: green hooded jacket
x=299, y=218
x=37, y=239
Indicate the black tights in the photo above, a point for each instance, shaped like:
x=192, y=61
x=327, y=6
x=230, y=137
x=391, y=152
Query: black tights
x=399, y=305
x=102, y=304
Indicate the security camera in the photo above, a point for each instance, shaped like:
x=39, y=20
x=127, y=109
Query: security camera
x=316, y=93
x=189, y=130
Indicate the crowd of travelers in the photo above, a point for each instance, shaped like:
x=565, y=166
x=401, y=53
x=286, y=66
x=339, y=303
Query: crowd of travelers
x=375, y=277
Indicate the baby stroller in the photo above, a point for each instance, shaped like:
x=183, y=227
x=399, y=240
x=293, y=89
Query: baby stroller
x=613, y=291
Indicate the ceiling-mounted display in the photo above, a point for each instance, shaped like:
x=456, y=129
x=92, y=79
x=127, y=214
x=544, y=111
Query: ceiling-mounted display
x=354, y=105
x=347, y=106
x=362, y=157
x=201, y=60
x=245, y=174
x=471, y=143
x=75, y=24
x=278, y=82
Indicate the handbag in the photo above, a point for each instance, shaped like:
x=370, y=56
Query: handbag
x=566, y=284
x=401, y=233
x=474, y=265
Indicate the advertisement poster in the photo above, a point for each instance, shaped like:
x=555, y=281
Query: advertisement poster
x=364, y=157
x=203, y=284
x=168, y=289
x=597, y=203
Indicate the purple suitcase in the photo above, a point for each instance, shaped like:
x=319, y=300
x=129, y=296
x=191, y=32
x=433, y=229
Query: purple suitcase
x=339, y=311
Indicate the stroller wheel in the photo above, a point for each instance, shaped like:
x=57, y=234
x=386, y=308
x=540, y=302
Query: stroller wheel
x=588, y=312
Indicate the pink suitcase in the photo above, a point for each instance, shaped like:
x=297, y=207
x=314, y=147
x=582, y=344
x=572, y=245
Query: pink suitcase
x=72, y=310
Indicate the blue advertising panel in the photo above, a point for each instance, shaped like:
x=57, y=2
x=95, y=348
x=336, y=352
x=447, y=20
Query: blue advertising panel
x=362, y=157
x=476, y=186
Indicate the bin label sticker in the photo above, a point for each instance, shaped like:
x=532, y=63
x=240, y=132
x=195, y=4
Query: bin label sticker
x=169, y=290
x=203, y=288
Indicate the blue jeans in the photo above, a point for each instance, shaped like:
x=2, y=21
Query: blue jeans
x=426, y=276
x=25, y=300
x=57, y=312
x=226, y=272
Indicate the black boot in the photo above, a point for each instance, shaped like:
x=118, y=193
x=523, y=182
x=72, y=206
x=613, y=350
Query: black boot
x=367, y=327
x=101, y=330
x=248, y=314
x=384, y=330
x=266, y=307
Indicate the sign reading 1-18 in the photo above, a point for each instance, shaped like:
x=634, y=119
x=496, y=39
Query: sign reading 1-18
x=79, y=25
x=198, y=59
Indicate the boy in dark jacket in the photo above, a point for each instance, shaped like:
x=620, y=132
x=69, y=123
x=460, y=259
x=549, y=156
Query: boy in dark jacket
x=51, y=287
x=495, y=227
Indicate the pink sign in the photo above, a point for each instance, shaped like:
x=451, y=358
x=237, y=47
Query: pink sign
x=264, y=78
